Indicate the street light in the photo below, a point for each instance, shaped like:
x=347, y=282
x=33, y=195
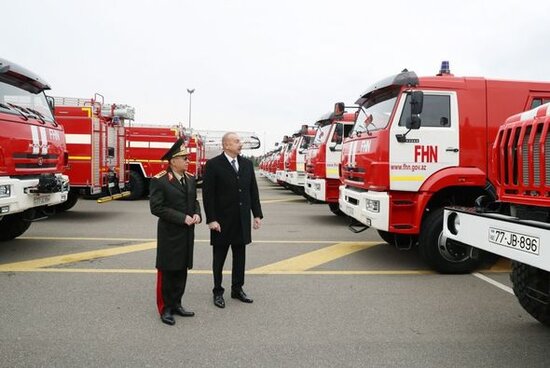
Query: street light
x=190, y=93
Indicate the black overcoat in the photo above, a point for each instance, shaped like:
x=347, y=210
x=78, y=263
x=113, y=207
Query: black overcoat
x=170, y=201
x=229, y=198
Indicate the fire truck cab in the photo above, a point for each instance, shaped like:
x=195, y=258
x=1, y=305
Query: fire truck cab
x=420, y=144
x=295, y=173
x=32, y=151
x=280, y=174
x=96, y=140
x=324, y=155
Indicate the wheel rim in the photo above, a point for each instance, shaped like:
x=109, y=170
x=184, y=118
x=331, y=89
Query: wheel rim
x=452, y=251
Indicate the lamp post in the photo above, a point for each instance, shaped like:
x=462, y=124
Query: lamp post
x=190, y=93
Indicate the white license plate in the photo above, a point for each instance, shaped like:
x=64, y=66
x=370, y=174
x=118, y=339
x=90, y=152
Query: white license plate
x=510, y=239
x=38, y=201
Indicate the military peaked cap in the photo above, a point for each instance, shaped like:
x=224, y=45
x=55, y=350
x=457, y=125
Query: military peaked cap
x=178, y=149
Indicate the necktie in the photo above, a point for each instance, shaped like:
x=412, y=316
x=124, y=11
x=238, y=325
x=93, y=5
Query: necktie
x=183, y=180
x=233, y=163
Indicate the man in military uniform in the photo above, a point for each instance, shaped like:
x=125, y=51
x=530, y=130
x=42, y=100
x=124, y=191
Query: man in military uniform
x=173, y=199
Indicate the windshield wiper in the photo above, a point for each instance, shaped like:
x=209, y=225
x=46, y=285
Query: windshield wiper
x=19, y=110
x=38, y=114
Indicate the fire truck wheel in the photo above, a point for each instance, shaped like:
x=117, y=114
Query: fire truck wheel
x=442, y=255
x=12, y=226
x=137, y=186
x=72, y=198
x=532, y=288
x=335, y=208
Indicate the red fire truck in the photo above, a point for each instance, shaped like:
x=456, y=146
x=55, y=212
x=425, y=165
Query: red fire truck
x=269, y=164
x=517, y=226
x=294, y=169
x=420, y=144
x=280, y=175
x=96, y=142
x=324, y=155
x=32, y=151
x=148, y=143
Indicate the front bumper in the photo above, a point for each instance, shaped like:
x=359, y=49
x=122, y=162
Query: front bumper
x=523, y=241
x=295, y=178
x=353, y=202
x=316, y=189
x=22, y=196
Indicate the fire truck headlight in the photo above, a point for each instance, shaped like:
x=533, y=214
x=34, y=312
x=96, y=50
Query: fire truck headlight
x=317, y=186
x=5, y=191
x=453, y=223
x=373, y=205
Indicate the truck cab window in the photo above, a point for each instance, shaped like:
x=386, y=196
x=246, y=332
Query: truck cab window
x=539, y=101
x=337, y=137
x=436, y=112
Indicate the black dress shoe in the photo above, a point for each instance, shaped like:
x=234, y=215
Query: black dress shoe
x=179, y=310
x=219, y=301
x=241, y=296
x=168, y=318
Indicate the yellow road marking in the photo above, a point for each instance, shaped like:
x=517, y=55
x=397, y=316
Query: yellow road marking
x=196, y=240
x=298, y=265
x=75, y=257
x=315, y=258
x=227, y=272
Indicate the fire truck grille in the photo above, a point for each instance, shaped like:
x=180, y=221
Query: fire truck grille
x=354, y=174
x=23, y=160
x=523, y=158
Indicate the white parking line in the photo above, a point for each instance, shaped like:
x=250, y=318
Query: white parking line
x=493, y=282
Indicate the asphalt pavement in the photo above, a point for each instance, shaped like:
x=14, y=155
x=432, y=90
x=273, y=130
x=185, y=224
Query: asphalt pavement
x=78, y=290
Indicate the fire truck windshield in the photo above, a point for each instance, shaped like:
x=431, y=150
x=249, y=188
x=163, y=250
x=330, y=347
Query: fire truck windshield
x=15, y=100
x=375, y=113
x=320, y=137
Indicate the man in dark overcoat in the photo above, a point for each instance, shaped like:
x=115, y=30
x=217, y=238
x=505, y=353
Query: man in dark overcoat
x=230, y=195
x=173, y=199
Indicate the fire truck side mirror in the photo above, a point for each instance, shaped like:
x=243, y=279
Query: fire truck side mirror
x=417, y=102
x=413, y=122
x=339, y=108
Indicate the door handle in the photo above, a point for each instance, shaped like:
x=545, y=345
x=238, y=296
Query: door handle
x=451, y=149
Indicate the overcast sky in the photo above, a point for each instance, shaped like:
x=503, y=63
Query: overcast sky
x=264, y=66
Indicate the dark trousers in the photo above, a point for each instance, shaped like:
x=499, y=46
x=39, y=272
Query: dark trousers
x=237, y=272
x=170, y=288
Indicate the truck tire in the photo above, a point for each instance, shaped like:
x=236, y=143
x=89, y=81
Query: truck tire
x=136, y=186
x=335, y=208
x=72, y=198
x=442, y=255
x=532, y=288
x=12, y=226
